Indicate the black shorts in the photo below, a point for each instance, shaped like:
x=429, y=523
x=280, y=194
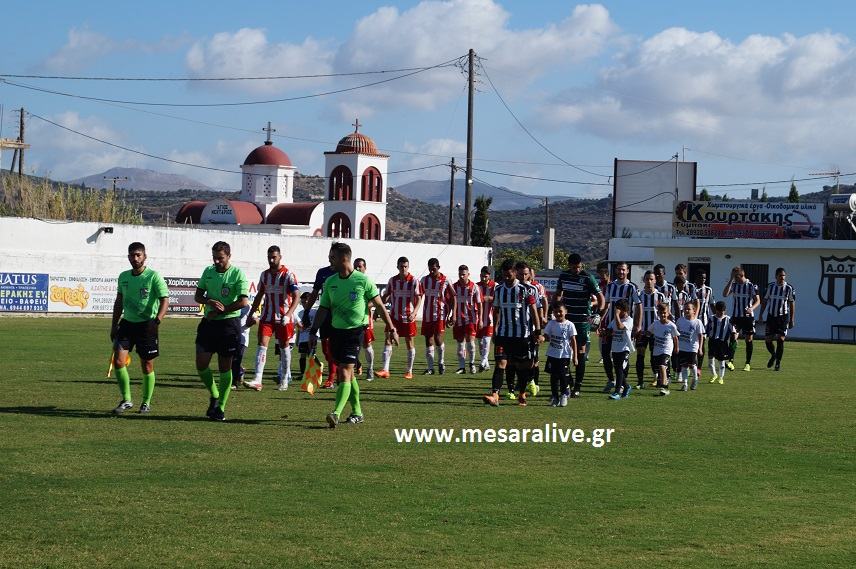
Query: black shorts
x=345, y=344
x=510, y=348
x=303, y=348
x=221, y=337
x=326, y=329
x=662, y=360
x=777, y=326
x=745, y=325
x=687, y=359
x=143, y=335
x=558, y=366
x=534, y=348
x=719, y=349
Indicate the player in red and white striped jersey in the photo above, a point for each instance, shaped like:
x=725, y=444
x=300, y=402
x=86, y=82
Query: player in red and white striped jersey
x=485, y=330
x=278, y=288
x=466, y=316
x=437, y=293
x=402, y=293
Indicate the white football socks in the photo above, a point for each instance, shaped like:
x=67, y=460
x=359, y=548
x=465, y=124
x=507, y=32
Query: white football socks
x=261, y=358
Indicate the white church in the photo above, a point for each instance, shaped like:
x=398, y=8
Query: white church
x=355, y=205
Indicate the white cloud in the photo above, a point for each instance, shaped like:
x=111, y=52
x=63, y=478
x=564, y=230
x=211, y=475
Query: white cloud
x=761, y=97
x=84, y=47
x=64, y=155
x=248, y=52
x=432, y=32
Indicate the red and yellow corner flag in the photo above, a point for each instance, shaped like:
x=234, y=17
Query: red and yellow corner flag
x=313, y=374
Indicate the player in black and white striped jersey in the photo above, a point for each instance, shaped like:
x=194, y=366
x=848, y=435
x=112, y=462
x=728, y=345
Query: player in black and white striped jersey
x=664, y=286
x=514, y=316
x=744, y=301
x=646, y=313
x=689, y=286
x=705, y=297
x=779, y=301
x=721, y=335
x=620, y=288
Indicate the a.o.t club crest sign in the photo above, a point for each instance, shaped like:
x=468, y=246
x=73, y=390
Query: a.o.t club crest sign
x=837, y=282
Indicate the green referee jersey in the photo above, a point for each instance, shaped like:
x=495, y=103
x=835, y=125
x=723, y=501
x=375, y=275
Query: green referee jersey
x=141, y=294
x=576, y=292
x=227, y=287
x=347, y=299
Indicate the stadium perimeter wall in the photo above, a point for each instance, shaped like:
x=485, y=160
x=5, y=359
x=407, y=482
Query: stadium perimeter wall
x=48, y=266
x=823, y=274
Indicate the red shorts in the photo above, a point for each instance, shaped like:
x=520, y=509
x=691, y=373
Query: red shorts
x=283, y=332
x=405, y=329
x=433, y=328
x=462, y=331
x=485, y=332
x=369, y=335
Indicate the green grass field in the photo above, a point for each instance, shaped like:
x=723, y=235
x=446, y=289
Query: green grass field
x=756, y=472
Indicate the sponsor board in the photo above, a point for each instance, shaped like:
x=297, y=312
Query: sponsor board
x=747, y=220
x=81, y=293
x=23, y=292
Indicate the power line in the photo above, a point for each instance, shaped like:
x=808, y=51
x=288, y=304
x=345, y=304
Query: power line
x=247, y=78
x=527, y=131
x=774, y=181
x=232, y=104
x=543, y=179
x=180, y=162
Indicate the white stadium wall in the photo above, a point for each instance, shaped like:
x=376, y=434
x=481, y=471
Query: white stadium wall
x=73, y=267
x=644, y=196
x=823, y=274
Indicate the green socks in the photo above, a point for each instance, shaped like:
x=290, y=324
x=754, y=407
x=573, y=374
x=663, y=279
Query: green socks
x=148, y=387
x=208, y=379
x=342, y=395
x=225, y=388
x=354, y=399
x=124, y=382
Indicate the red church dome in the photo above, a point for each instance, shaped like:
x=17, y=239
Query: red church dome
x=267, y=155
x=357, y=143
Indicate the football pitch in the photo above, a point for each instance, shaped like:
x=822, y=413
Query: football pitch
x=756, y=472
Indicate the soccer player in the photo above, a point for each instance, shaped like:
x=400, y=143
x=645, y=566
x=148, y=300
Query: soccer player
x=561, y=352
x=485, y=331
x=141, y=302
x=664, y=286
x=665, y=335
x=278, y=288
x=437, y=292
x=223, y=289
x=619, y=289
x=303, y=313
x=514, y=310
x=722, y=335
x=603, y=279
x=689, y=287
x=524, y=275
x=368, y=337
x=543, y=313
x=621, y=327
x=690, y=346
x=402, y=292
x=646, y=314
x=705, y=297
x=779, y=300
x=317, y=287
x=575, y=289
x=744, y=301
x=344, y=303
x=465, y=316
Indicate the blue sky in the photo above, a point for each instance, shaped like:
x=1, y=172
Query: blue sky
x=753, y=91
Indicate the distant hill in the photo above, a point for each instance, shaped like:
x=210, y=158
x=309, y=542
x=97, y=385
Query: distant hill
x=437, y=192
x=141, y=180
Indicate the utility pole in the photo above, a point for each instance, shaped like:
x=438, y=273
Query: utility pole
x=451, y=199
x=676, y=175
x=468, y=202
x=18, y=154
x=115, y=179
x=546, y=214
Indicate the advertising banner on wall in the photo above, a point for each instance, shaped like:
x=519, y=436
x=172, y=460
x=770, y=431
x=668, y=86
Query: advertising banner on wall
x=81, y=293
x=23, y=292
x=747, y=220
x=181, y=291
